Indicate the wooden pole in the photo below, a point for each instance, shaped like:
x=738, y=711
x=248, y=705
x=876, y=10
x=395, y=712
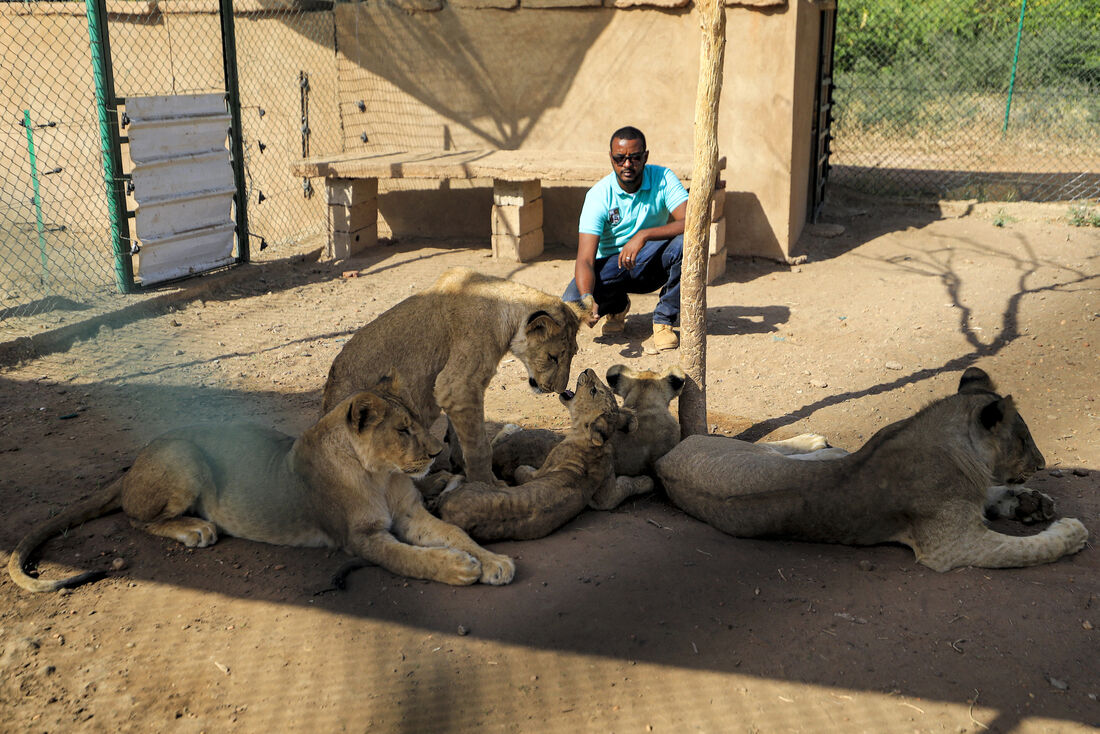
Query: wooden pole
x=693, y=286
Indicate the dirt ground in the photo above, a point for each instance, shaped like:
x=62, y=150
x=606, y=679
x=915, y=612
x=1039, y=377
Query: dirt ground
x=636, y=620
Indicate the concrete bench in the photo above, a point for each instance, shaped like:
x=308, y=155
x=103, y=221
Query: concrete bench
x=351, y=185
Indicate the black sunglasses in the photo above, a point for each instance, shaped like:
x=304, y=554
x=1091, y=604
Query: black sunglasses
x=621, y=158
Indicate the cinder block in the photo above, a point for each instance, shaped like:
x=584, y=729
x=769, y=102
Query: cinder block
x=342, y=245
x=517, y=220
x=353, y=218
x=482, y=4
x=716, y=237
x=717, y=205
x=518, y=248
x=716, y=266
x=350, y=191
x=515, y=193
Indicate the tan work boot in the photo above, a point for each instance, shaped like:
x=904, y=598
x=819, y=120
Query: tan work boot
x=614, y=324
x=664, y=339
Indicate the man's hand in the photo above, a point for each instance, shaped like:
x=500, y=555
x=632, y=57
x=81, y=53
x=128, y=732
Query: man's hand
x=629, y=254
x=593, y=310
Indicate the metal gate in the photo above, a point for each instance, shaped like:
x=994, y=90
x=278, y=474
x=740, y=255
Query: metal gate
x=823, y=111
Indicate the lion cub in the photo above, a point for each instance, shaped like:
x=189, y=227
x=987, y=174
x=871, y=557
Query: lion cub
x=347, y=482
x=647, y=395
x=577, y=472
x=924, y=481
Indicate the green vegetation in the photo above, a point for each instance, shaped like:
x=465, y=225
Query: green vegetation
x=1083, y=215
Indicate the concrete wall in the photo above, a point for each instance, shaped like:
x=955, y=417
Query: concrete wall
x=565, y=78
x=439, y=75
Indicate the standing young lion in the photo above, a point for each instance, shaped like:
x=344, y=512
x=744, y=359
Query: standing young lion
x=923, y=481
x=346, y=483
x=446, y=343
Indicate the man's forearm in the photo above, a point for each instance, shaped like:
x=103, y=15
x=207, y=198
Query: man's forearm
x=664, y=232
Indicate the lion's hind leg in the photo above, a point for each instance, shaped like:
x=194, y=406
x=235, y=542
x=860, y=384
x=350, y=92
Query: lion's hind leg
x=166, y=480
x=618, y=489
x=950, y=545
x=1018, y=503
x=801, y=444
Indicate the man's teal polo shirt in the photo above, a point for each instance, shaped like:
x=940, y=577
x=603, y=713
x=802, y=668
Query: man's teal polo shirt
x=616, y=216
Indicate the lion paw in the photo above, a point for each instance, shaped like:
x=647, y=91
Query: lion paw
x=199, y=535
x=459, y=568
x=1073, y=533
x=497, y=570
x=1020, y=503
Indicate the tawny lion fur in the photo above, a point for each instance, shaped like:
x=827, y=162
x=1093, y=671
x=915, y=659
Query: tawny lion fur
x=446, y=343
x=645, y=393
x=346, y=482
x=923, y=481
x=577, y=473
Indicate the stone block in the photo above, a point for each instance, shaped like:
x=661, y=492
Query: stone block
x=516, y=193
x=549, y=4
x=353, y=218
x=342, y=245
x=482, y=4
x=646, y=3
x=716, y=266
x=520, y=248
x=417, y=6
x=517, y=220
x=717, y=205
x=350, y=191
x=716, y=237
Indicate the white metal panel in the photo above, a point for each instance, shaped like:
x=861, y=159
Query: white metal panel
x=206, y=249
x=183, y=184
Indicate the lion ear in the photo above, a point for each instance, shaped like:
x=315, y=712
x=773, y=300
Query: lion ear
x=676, y=379
x=365, y=410
x=975, y=380
x=618, y=377
x=995, y=412
x=541, y=321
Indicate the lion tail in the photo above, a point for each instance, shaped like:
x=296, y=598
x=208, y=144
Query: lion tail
x=103, y=502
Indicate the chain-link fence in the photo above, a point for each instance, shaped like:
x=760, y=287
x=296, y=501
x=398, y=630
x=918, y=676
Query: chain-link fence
x=969, y=98
x=56, y=250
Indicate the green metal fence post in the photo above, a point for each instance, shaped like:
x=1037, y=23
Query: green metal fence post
x=107, y=107
x=37, y=199
x=1015, y=58
x=229, y=59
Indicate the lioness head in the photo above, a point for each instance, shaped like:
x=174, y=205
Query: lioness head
x=384, y=432
x=594, y=410
x=546, y=346
x=645, y=389
x=1016, y=457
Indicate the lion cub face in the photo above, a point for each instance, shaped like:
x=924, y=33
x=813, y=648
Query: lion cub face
x=546, y=347
x=1015, y=455
x=594, y=410
x=646, y=390
x=386, y=436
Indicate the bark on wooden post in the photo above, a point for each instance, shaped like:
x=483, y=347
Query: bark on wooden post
x=693, y=288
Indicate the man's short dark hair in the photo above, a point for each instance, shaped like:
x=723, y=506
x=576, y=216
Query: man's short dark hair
x=627, y=133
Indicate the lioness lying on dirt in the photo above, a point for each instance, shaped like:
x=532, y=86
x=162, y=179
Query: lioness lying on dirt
x=446, y=343
x=576, y=473
x=346, y=482
x=922, y=481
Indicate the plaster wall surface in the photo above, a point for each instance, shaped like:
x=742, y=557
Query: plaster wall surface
x=564, y=79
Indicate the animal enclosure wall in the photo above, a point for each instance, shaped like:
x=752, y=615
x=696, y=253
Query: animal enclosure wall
x=563, y=78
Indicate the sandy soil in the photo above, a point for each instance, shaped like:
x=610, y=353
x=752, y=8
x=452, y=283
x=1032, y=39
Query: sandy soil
x=636, y=620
